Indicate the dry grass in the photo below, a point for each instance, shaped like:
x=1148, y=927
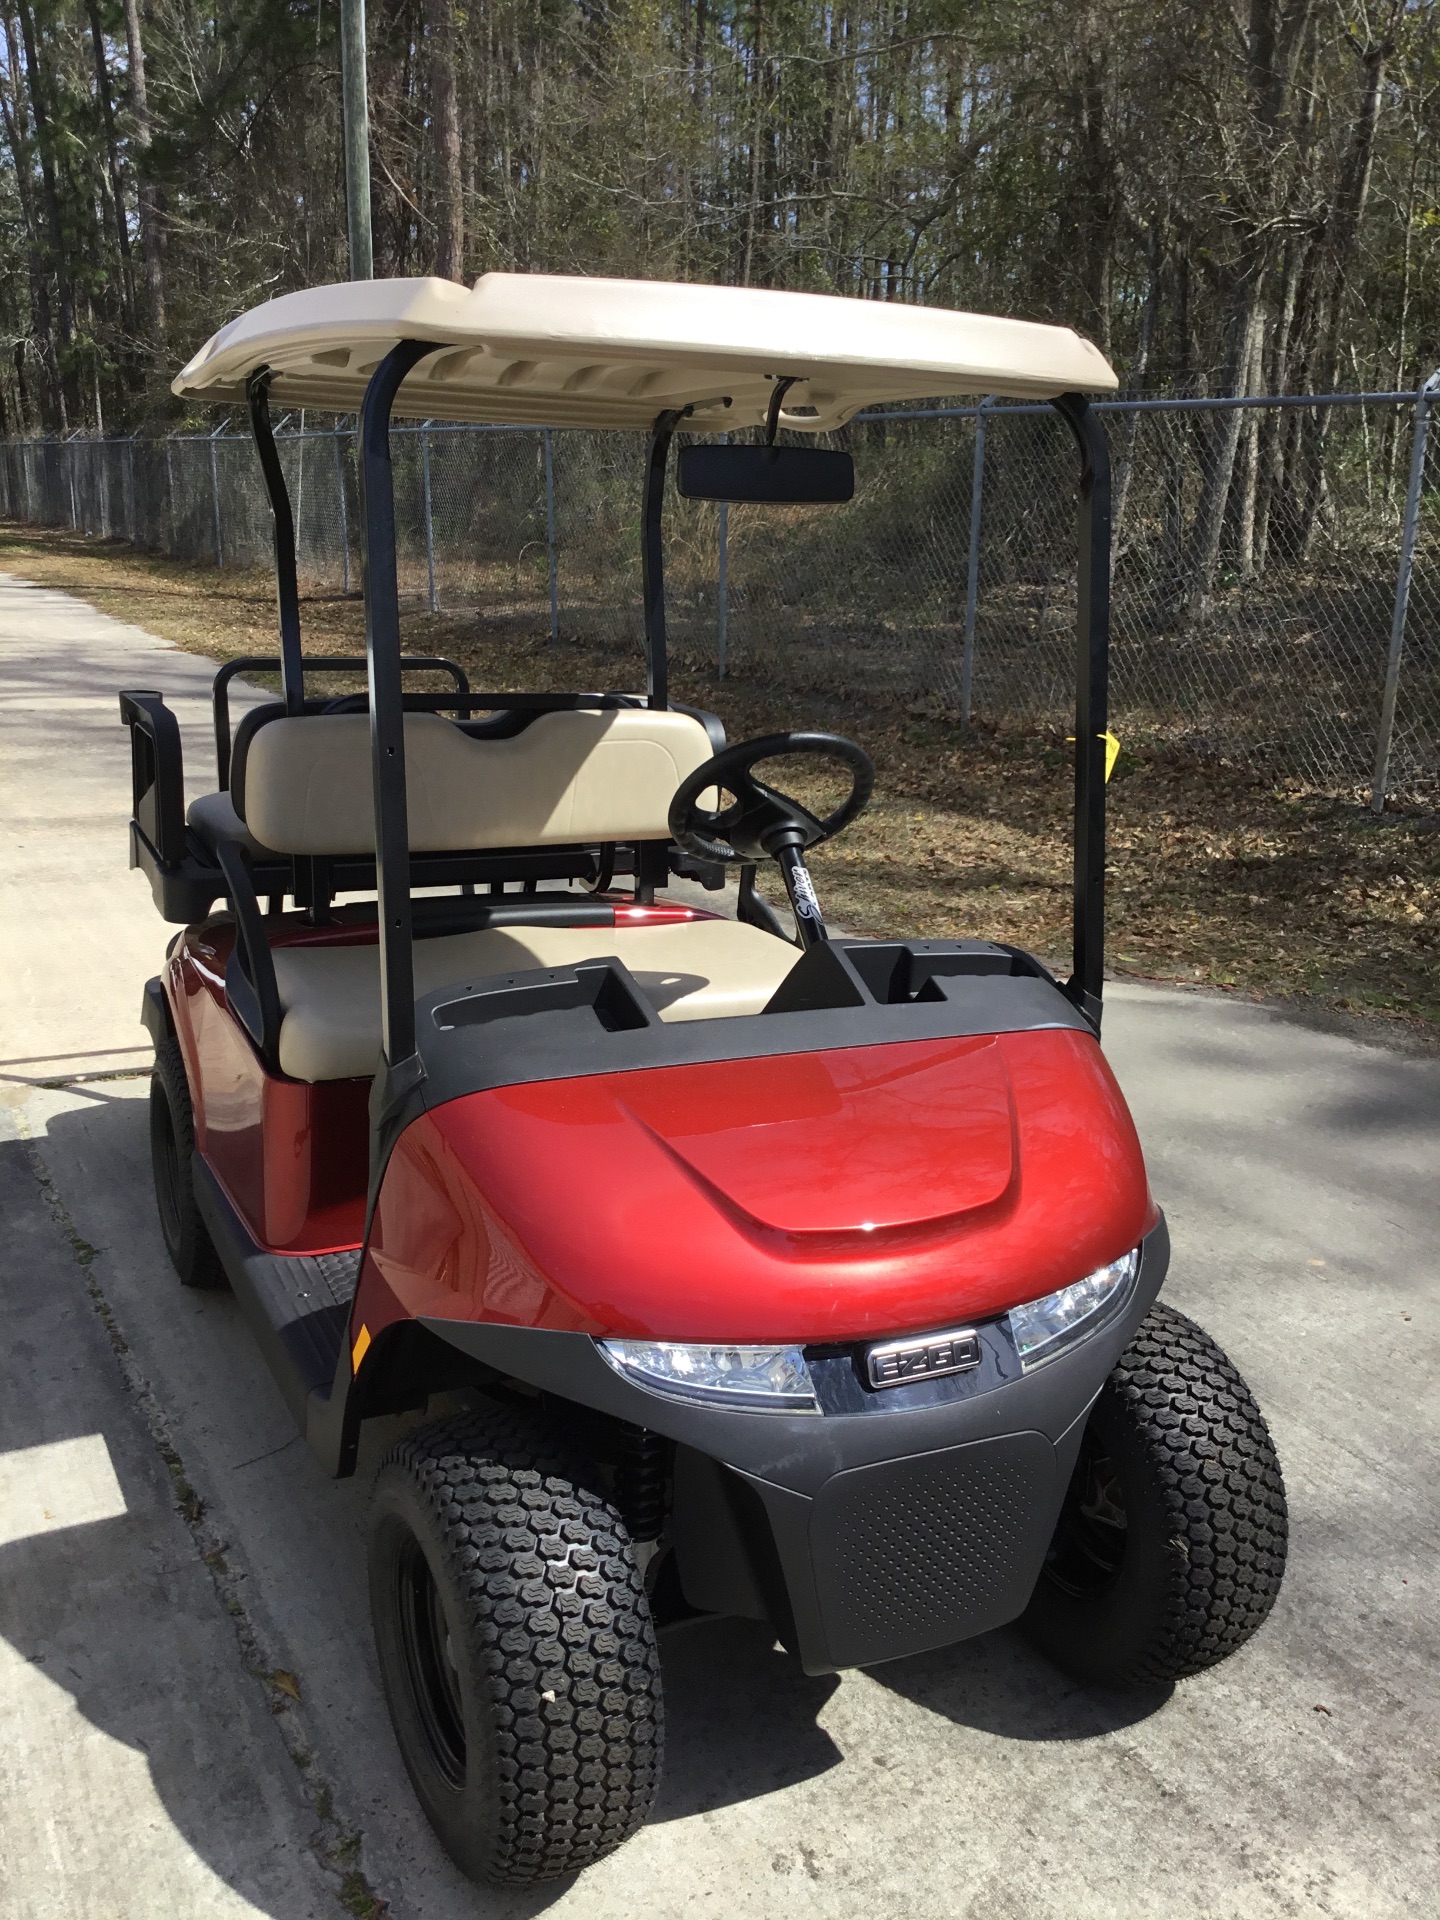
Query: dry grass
x=1216, y=875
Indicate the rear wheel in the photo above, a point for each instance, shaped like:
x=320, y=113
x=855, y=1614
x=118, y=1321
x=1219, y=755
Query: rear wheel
x=172, y=1150
x=1170, y=1547
x=516, y=1648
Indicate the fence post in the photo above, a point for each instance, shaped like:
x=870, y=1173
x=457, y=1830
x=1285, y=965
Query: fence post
x=429, y=514
x=1381, y=778
x=299, y=488
x=972, y=570
x=215, y=494
x=70, y=476
x=722, y=591
x=550, y=555
x=344, y=512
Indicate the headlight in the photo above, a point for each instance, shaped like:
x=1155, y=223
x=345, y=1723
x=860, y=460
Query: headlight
x=1047, y=1327
x=764, y=1379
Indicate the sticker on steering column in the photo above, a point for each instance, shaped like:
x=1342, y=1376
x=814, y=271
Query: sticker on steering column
x=803, y=889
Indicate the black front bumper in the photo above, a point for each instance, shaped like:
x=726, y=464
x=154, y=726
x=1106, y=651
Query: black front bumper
x=861, y=1535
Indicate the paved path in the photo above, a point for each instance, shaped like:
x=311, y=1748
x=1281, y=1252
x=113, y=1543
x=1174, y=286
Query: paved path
x=142, y=1770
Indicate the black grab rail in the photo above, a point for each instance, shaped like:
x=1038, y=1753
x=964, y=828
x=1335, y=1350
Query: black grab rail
x=309, y=663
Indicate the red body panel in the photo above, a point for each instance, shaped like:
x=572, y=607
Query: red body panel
x=821, y=1197
x=294, y=1159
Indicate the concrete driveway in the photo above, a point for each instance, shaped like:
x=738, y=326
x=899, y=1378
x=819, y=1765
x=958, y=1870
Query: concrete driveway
x=177, y=1571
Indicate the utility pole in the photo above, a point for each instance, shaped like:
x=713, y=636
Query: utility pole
x=357, y=139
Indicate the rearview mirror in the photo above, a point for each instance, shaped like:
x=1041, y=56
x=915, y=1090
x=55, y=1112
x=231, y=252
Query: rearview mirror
x=777, y=476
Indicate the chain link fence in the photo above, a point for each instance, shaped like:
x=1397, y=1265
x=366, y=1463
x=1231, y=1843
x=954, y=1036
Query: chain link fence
x=1277, y=561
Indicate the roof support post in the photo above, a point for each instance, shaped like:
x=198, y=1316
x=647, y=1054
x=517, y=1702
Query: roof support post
x=1092, y=701
x=287, y=591
x=400, y=1070
x=652, y=558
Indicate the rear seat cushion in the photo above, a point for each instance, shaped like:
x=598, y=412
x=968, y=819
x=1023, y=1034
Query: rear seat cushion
x=566, y=778
x=214, y=818
x=696, y=970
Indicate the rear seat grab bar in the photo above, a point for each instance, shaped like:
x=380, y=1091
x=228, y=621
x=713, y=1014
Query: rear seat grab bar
x=311, y=663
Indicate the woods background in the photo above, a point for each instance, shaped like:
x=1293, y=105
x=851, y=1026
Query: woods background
x=1229, y=198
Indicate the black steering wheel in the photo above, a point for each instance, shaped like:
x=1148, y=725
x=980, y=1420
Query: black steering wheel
x=761, y=823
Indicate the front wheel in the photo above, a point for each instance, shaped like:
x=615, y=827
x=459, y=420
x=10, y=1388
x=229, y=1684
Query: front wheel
x=1170, y=1546
x=516, y=1648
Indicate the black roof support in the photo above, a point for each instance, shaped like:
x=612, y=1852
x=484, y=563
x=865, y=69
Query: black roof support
x=400, y=1069
x=287, y=591
x=1092, y=702
x=652, y=558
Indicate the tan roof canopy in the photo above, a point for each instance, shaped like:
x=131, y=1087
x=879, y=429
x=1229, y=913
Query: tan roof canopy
x=558, y=350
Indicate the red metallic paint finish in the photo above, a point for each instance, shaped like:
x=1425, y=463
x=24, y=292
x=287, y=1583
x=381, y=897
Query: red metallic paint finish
x=821, y=1197
x=293, y=1158
x=630, y=913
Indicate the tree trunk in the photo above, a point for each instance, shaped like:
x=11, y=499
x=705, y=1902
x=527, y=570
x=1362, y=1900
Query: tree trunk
x=1392, y=425
x=20, y=389
x=112, y=149
x=37, y=83
x=1149, y=316
x=1224, y=443
x=445, y=129
x=152, y=242
x=1337, y=253
x=17, y=134
x=1275, y=433
x=1250, y=455
x=1343, y=226
x=1094, y=191
x=757, y=89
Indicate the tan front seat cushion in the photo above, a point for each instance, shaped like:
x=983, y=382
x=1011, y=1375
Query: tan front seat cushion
x=696, y=970
x=567, y=778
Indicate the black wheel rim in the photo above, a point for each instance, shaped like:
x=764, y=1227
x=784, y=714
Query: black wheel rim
x=430, y=1670
x=1088, y=1550
x=167, y=1168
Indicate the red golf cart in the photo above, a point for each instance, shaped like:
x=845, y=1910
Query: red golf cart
x=802, y=1278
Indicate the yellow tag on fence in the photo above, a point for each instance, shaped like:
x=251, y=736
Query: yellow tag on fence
x=1112, y=750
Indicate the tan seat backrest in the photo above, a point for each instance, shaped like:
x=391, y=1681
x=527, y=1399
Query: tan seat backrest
x=567, y=778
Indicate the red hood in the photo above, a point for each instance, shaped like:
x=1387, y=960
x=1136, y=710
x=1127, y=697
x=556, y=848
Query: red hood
x=839, y=1143
x=815, y=1197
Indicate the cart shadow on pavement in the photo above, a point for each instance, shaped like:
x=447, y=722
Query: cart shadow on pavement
x=128, y=1661
x=132, y=1745
x=999, y=1684
x=757, y=1731
x=740, y=1717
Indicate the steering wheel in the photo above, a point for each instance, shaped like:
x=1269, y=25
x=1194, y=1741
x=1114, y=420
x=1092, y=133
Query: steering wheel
x=761, y=822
